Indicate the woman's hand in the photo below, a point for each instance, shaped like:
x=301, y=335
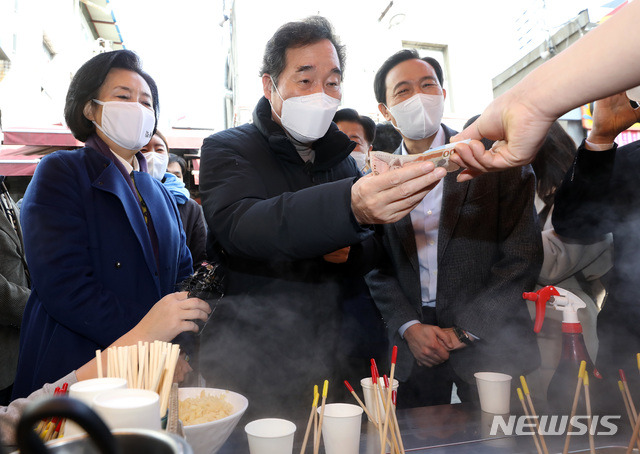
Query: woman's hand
x=171, y=316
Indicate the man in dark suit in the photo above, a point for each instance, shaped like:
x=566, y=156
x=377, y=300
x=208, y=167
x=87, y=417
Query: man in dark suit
x=14, y=290
x=279, y=195
x=451, y=290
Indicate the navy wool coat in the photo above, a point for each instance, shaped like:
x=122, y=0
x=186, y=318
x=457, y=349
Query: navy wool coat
x=92, y=264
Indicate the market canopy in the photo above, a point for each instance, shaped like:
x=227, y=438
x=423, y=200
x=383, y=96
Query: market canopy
x=23, y=148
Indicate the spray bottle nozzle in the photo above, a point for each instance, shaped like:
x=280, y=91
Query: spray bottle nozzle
x=540, y=298
x=562, y=300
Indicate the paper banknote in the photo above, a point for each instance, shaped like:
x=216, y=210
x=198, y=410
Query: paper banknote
x=381, y=162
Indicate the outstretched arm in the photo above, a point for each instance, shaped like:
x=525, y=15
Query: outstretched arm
x=519, y=119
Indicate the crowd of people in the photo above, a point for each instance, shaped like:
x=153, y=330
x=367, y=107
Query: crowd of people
x=327, y=263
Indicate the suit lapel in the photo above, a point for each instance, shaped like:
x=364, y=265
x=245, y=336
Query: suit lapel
x=111, y=180
x=5, y=225
x=407, y=238
x=453, y=196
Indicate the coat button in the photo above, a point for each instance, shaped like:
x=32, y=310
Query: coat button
x=118, y=265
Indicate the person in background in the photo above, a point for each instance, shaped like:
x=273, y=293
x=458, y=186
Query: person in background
x=387, y=139
x=570, y=264
x=361, y=130
x=451, y=289
x=14, y=290
x=177, y=166
x=599, y=196
x=102, y=237
x=279, y=194
x=157, y=154
x=164, y=321
x=520, y=118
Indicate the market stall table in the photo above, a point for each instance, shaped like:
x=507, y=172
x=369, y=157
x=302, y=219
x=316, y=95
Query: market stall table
x=450, y=429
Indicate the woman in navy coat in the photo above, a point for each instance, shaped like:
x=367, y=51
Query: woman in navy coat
x=103, y=239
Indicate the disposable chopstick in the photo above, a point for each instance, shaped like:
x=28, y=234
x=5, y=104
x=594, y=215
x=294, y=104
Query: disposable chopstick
x=525, y=389
x=315, y=417
x=155, y=382
x=626, y=406
x=314, y=405
x=394, y=355
x=394, y=447
x=587, y=400
x=147, y=362
x=576, y=396
x=325, y=390
x=526, y=412
x=171, y=369
x=374, y=382
x=634, y=437
x=626, y=403
x=133, y=366
x=395, y=420
x=364, y=407
x=623, y=377
x=99, y=362
x=141, y=363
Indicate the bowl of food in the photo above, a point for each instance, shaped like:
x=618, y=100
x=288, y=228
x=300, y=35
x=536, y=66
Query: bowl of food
x=209, y=415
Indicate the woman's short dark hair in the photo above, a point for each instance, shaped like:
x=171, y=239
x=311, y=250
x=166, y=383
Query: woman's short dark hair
x=379, y=82
x=86, y=84
x=297, y=34
x=181, y=162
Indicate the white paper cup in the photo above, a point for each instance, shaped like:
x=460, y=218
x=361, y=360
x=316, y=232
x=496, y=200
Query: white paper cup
x=270, y=436
x=341, y=428
x=369, y=393
x=129, y=409
x=494, y=390
x=85, y=391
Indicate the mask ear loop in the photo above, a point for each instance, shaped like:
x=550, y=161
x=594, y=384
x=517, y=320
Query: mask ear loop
x=390, y=122
x=273, y=84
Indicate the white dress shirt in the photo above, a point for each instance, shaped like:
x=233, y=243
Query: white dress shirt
x=128, y=167
x=425, y=219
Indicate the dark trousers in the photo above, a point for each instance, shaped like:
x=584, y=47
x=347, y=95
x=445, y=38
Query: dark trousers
x=428, y=386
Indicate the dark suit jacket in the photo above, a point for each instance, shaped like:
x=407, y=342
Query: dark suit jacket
x=14, y=292
x=93, y=270
x=489, y=252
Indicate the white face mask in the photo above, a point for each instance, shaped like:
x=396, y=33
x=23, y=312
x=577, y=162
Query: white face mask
x=418, y=117
x=360, y=158
x=307, y=118
x=156, y=164
x=128, y=124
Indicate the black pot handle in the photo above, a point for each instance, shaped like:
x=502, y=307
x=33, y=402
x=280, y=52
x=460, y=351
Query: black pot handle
x=30, y=443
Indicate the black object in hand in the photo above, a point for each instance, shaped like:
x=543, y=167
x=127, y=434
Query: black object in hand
x=208, y=283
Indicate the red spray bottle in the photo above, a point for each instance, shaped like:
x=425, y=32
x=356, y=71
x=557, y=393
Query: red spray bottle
x=574, y=350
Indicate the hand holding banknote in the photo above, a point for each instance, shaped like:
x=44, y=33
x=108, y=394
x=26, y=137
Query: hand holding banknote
x=388, y=197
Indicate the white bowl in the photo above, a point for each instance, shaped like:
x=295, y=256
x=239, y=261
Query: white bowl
x=208, y=437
